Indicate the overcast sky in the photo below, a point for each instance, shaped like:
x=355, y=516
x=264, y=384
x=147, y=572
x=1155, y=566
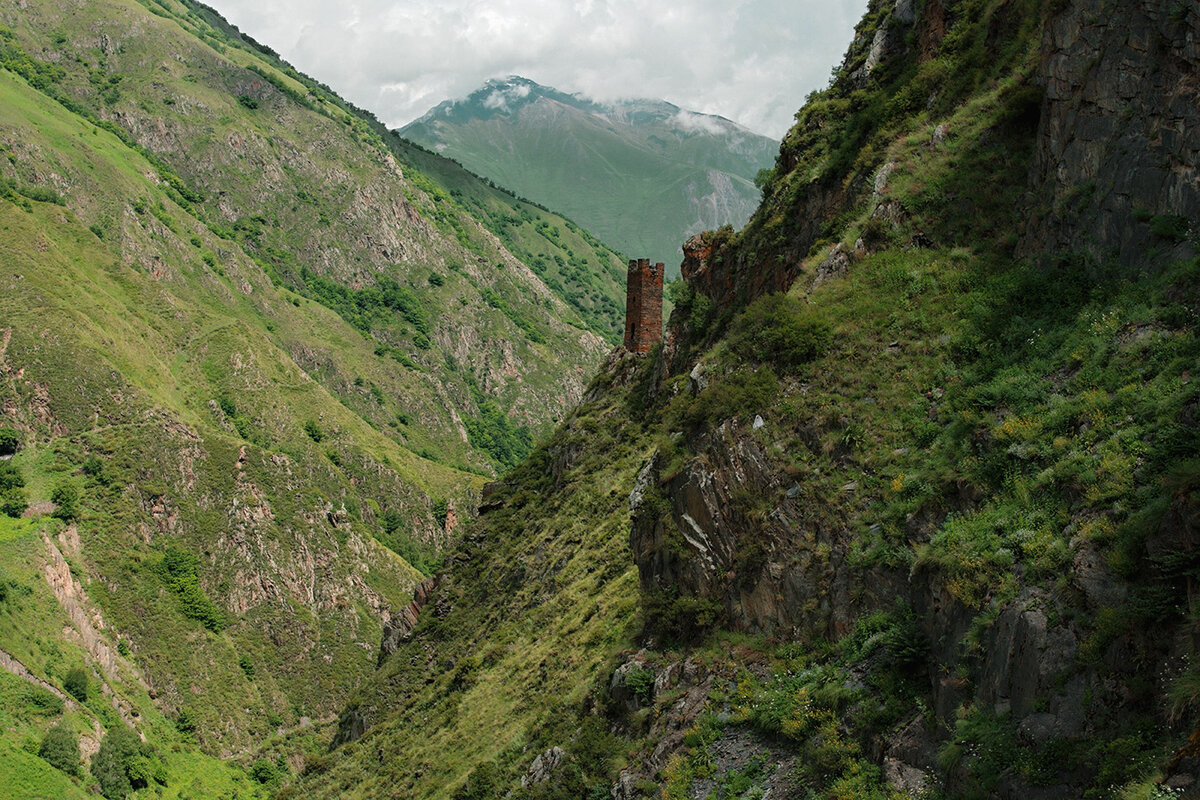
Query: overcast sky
x=752, y=61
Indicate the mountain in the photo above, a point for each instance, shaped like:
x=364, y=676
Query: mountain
x=905, y=504
x=642, y=174
x=257, y=357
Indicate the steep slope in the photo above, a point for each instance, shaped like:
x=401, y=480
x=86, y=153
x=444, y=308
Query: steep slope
x=254, y=365
x=643, y=175
x=912, y=482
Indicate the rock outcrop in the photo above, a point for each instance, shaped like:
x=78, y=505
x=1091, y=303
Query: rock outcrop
x=1119, y=139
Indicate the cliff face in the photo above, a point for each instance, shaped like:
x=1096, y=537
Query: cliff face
x=1114, y=173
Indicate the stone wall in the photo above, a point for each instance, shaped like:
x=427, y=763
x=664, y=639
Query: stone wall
x=643, y=306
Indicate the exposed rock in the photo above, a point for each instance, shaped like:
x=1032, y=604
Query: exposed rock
x=399, y=626
x=624, y=691
x=835, y=265
x=883, y=176
x=904, y=778
x=539, y=771
x=1119, y=138
x=939, y=136
x=1027, y=658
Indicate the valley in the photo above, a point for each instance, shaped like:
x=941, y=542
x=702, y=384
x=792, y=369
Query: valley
x=325, y=472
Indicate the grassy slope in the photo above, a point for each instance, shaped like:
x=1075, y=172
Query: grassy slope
x=976, y=421
x=543, y=592
x=152, y=356
x=300, y=183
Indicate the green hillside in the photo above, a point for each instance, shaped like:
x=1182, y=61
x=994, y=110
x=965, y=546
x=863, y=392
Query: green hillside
x=643, y=175
x=906, y=505
x=257, y=357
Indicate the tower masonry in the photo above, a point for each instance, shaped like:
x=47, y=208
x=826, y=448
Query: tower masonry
x=643, y=305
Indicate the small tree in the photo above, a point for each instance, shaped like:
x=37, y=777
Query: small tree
x=76, y=683
x=66, y=497
x=125, y=763
x=10, y=441
x=60, y=747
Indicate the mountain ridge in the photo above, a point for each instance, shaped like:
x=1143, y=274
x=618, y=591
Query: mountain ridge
x=605, y=164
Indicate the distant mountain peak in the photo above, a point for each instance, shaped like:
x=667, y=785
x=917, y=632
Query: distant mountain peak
x=642, y=174
x=508, y=95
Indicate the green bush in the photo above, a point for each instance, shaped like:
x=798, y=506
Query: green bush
x=66, y=497
x=314, y=431
x=60, y=747
x=265, y=771
x=180, y=567
x=10, y=441
x=124, y=763
x=247, y=666
x=13, y=501
x=484, y=783
x=76, y=683
x=777, y=329
x=680, y=620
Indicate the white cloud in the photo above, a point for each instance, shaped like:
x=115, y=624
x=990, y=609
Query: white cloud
x=752, y=61
x=690, y=121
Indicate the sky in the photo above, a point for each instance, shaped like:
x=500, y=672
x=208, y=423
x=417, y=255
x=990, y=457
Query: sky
x=753, y=61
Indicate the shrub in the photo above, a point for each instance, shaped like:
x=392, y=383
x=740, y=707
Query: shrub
x=484, y=783
x=10, y=441
x=12, y=492
x=76, y=683
x=66, y=497
x=777, y=329
x=247, y=666
x=265, y=771
x=185, y=723
x=13, y=502
x=60, y=747
x=124, y=763
x=681, y=620
x=314, y=431
x=180, y=567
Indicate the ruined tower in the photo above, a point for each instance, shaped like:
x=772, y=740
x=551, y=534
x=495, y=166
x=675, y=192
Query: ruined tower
x=643, y=306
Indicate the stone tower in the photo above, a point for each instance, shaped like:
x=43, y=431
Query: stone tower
x=643, y=306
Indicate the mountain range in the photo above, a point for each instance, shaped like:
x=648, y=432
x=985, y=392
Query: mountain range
x=643, y=175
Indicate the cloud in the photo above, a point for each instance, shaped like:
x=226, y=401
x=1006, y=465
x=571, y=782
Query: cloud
x=752, y=61
x=690, y=122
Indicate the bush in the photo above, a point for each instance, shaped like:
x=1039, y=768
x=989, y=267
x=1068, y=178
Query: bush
x=266, y=771
x=76, y=683
x=314, y=431
x=10, y=441
x=13, y=501
x=60, y=747
x=66, y=497
x=777, y=329
x=180, y=567
x=124, y=763
x=247, y=666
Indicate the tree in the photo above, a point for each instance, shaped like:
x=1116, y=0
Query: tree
x=66, y=497
x=12, y=492
x=124, y=763
x=60, y=747
x=10, y=441
x=76, y=683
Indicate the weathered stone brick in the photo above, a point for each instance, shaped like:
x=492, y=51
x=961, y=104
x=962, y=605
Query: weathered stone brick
x=643, y=305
